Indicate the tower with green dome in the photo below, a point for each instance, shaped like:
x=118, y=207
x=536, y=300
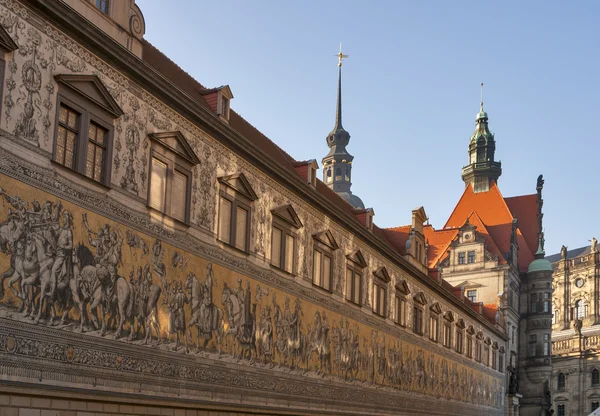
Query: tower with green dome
x=482, y=168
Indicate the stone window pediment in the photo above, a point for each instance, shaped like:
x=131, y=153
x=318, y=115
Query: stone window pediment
x=287, y=214
x=436, y=308
x=420, y=298
x=479, y=335
x=460, y=324
x=7, y=44
x=326, y=238
x=449, y=316
x=177, y=143
x=357, y=258
x=402, y=287
x=90, y=87
x=240, y=184
x=382, y=274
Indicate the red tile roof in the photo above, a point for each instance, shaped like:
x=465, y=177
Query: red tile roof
x=524, y=208
x=439, y=244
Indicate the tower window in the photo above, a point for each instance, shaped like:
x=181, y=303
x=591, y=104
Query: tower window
x=546, y=345
x=338, y=174
x=532, y=345
x=533, y=303
x=561, y=381
x=471, y=257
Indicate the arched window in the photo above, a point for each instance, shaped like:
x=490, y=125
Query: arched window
x=579, y=309
x=595, y=377
x=561, y=381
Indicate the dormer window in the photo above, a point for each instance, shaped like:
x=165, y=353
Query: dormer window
x=225, y=107
x=219, y=100
x=102, y=5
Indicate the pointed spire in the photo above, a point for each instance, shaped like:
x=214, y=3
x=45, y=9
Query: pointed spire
x=338, y=110
x=482, y=115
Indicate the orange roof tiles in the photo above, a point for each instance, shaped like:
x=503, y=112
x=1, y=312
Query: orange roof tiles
x=439, y=243
x=524, y=208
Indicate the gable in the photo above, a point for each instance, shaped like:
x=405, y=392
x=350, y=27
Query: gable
x=357, y=258
x=435, y=308
x=460, y=324
x=383, y=274
x=402, y=287
x=326, y=238
x=449, y=316
x=7, y=44
x=239, y=183
x=468, y=285
x=420, y=298
x=91, y=88
x=287, y=214
x=176, y=142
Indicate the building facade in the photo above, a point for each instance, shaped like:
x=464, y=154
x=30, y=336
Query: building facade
x=159, y=255
x=575, y=382
x=491, y=250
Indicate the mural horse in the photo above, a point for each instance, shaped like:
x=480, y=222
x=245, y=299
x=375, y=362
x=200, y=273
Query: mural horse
x=206, y=316
x=240, y=326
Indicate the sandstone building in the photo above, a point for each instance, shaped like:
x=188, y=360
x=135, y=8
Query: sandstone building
x=159, y=255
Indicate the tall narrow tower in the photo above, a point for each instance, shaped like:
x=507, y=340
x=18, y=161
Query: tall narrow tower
x=337, y=165
x=482, y=168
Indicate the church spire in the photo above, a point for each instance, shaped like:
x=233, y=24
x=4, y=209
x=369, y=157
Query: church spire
x=482, y=169
x=337, y=164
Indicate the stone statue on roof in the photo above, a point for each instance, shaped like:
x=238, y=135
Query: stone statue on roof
x=563, y=252
x=594, y=246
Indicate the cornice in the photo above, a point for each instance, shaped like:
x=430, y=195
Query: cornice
x=70, y=22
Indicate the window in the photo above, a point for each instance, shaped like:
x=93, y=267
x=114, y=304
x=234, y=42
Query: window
x=400, y=310
x=562, y=381
x=447, y=335
x=235, y=200
x=513, y=335
x=472, y=295
x=380, y=284
x=546, y=302
x=546, y=345
x=595, y=405
x=478, y=355
x=501, y=362
x=102, y=5
x=84, y=126
x=461, y=258
x=494, y=358
x=556, y=316
x=580, y=309
x=354, y=274
x=418, y=320
x=322, y=269
x=459, y=341
x=595, y=377
x=533, y=303
x=469, y=346
x=224, y=106
x=532, y=346
x=486, y=355
x=433, y=327
x=471, y=257
x=561, y=410
x=283, y=238
x=170, y=175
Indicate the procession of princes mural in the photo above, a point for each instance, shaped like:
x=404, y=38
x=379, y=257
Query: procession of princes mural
x=76, y=271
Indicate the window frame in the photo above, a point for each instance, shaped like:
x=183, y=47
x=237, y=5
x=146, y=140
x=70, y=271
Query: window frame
x=236, y=201
x=381, y=280
x=462, y=259
x=401, y=303
x=88, y=112
x=595, y=377
x=107, y=6
x=459, y=337
x=285, y=230
x=175, y=163
x=324, y=252
x=469, y=295
x=561, y=382
x=470, y=256
x=418, y=320
x=561, y=410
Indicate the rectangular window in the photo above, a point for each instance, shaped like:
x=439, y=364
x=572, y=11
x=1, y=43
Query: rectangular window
x=379, y=298
x=224, y=106
x=595, y=405
x=276, y=247
x=447, y=336
x=478, y=351
x=283, y=250
x=400, y=311
x=418, y=320
x=487, y=355
x=533, y=303
x=532, y=345
x=433, y=328
x=459, y=341
x=555, y=317
x=241, y=229
x=102, y=5
x=501, y=363
x=224, y=220
x=158, y=185
x=179, y=195
x=561, y=410
x=322, y=269
x=461, y=258
x=67, y=136
x=289, y=253
x=472, y=295
x=494, y=358
x=96, y=152
x=469, y=346
x=546, y=302
x=353, y=285
x=471, y=257
x=546, y=345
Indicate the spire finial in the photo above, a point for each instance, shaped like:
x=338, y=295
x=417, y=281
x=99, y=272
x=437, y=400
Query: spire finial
x=481, y=102
x=341, y=56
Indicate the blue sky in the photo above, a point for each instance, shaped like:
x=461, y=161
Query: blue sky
x=411, y=92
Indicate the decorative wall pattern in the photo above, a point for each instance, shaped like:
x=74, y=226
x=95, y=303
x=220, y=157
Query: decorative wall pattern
x=66, y=267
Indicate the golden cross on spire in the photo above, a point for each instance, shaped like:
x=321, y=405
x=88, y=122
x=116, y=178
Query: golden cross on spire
x=341, y=56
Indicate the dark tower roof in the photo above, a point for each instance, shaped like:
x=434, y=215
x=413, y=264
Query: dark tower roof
x=337, y=164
